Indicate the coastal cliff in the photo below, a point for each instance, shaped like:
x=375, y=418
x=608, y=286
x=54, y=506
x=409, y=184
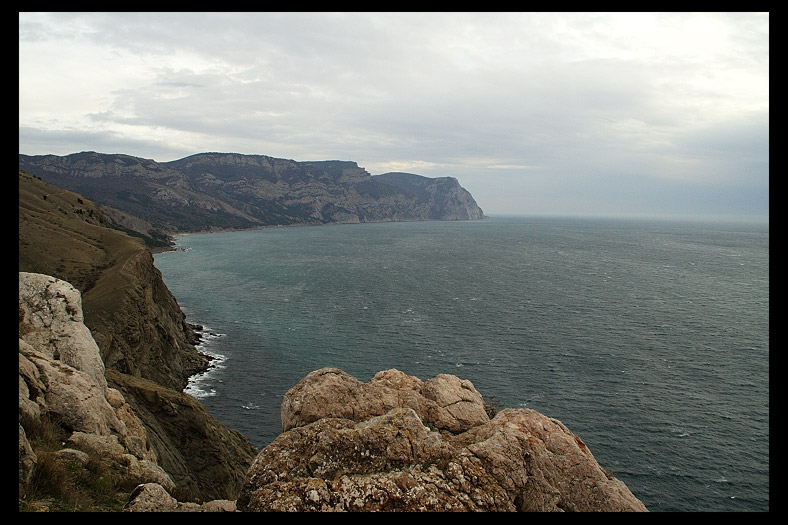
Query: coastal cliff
x=145, y=346
x=104, y=354
x=215, y=191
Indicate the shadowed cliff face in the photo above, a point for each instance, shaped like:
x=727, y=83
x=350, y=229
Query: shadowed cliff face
x=212, y=191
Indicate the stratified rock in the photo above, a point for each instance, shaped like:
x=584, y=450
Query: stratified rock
x=353, y=451
x=205, y=459
x=211, y=191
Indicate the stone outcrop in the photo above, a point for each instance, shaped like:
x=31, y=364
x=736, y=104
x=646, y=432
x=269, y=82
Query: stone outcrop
x=152, y=497
x=444, y=402
x=398, y=443
x=206, y=459
x=160, y=436
x=61, y=377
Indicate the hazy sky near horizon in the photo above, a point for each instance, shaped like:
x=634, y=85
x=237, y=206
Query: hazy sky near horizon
x=535, y=113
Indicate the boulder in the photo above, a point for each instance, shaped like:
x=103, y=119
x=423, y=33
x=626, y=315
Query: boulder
x=444, y=403
x=399, y=444
x=52, y=312
x=152, y=497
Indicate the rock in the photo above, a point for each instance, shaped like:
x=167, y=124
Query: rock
x=210, y=191
x=27, y=457
x=205, y=459
x=546, y=466
x=61, y=378
x=152, y=497
x=444, y=403
x=345, y=448
x=70, y=453
x=52, y=311
x=147, y=347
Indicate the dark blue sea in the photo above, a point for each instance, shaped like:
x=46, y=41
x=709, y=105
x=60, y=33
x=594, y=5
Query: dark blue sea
x=649, y=339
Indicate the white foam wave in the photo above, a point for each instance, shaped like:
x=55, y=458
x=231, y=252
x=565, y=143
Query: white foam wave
x=203, y=384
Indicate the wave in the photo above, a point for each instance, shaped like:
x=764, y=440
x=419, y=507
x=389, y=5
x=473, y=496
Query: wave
x=203, y=385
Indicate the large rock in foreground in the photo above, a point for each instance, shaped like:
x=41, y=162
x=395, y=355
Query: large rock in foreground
x=61, y=378
x=399, y=444
x=139, y=430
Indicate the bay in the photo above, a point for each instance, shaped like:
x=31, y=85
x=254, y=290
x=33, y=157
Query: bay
x=648, y=339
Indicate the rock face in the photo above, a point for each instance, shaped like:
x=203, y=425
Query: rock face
x=398, y=443
x=206, y=459
x=135, y=320
x=61, y=376
x=440, y=198
x=159, y=436
x=147, y=349
x=212, y=191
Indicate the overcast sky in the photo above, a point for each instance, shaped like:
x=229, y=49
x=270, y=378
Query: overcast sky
x=535, y=113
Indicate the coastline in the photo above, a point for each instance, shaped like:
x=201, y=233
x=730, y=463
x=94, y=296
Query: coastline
x=174, y=236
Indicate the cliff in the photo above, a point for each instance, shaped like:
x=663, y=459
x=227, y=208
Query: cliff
x=439, y=198
x=395, y=443
x=214, y=191
x=145, y=346
x=134, y=318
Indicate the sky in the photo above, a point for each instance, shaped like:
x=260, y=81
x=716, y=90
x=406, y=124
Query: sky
x=580, y=114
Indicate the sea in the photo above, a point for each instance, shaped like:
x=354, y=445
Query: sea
x=648, y=338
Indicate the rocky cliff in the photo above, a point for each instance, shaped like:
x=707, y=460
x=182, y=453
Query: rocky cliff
x=395, y=443
x=145, y=346
x=212, y=191
x=134, y=318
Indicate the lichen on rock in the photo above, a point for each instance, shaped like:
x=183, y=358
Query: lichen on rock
x=397, y=443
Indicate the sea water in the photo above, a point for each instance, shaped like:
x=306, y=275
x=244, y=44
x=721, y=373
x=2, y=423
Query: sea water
x=648, y=339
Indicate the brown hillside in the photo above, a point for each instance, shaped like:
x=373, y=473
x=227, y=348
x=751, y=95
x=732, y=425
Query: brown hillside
x=126, y=305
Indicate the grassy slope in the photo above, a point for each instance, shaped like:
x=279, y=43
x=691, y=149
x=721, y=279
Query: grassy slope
x=66, y=236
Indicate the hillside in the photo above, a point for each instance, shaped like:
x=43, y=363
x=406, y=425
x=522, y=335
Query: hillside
x=215, y=191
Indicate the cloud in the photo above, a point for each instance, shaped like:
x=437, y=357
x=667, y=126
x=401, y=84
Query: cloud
x=553, y=98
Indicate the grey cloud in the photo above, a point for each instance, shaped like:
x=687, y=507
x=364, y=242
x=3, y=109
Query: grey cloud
x=456, y=93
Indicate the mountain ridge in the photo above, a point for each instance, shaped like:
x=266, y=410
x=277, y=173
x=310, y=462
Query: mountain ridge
x=220, y=191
